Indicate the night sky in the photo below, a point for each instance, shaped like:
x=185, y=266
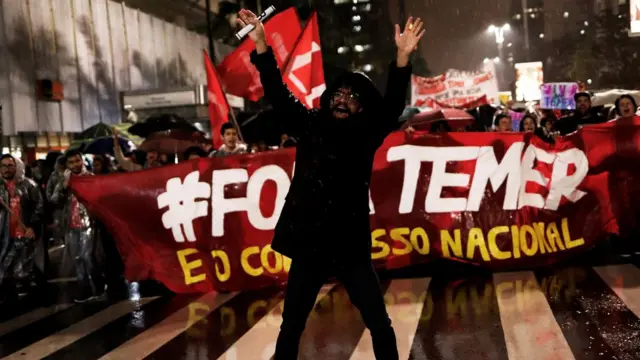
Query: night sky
x=456, y=34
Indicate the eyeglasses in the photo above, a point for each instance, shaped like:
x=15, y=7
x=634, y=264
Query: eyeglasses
x=347, y=96
x=10, y=166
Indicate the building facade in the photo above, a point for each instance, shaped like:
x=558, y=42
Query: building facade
x=96, y=49
x=527, y=31
x=355, y=35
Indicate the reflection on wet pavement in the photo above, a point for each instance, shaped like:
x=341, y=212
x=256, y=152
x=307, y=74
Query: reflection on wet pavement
x=575, y=312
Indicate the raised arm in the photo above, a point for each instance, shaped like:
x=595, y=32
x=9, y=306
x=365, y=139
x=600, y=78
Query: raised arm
x=264, y=59
x=400, y=72
x=125, y=164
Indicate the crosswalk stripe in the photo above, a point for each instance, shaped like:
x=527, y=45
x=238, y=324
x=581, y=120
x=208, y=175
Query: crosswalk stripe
x=408, y=297
x=31, y=317
x=582, y=312
x=530, y=329
x=624, y=280
x=263, y=335
x=53, y=343
x=151, y=340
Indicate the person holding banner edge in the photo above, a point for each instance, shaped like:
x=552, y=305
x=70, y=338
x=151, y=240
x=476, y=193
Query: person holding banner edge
x=324, y=223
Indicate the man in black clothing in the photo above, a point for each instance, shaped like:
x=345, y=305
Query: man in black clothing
x=324, y=224
x=584, y=115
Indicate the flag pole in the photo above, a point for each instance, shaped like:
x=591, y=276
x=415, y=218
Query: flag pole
x=212, y=54
x=235, y=121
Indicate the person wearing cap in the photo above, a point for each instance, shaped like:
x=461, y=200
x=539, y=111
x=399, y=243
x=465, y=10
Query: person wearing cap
x=583, y=115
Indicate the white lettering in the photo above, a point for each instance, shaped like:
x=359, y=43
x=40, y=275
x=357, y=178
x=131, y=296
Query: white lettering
x=563, y=184
x=440, y=178
x=531, y=154
x=516, y=172
x=413, y=156
x=372, y=209
x=254, y=189
x=488, y=169
x=221, y=205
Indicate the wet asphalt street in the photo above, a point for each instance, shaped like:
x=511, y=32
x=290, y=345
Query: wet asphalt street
x=587, y=309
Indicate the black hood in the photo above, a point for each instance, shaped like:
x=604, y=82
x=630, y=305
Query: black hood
x=359, y=83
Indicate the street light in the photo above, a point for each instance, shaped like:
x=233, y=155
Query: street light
x=499, y=32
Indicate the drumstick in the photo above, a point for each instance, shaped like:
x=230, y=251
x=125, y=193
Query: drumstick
x=249, y=28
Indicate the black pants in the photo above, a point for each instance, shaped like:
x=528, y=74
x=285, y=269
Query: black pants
x=112, y=264
x=363, y=287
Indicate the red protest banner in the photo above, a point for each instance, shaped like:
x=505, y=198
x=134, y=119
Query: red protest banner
x=491, y=199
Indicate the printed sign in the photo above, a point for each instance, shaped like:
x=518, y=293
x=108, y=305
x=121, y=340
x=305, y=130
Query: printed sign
x=558, y=96
x=454, y=89
x=634, y=18
x=529, y=77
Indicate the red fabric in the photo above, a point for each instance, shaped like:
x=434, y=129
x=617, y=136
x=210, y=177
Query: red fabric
x=457, y=103
x=219, y=108
x=304, y=74
x=75, y=222
x=239, y=76
x=231, y=252
x=15, y=230
x=457, y=119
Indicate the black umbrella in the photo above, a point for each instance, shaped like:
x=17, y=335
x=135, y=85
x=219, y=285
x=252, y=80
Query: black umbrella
x=104, y=145
x=161, y=122
x=95, y=131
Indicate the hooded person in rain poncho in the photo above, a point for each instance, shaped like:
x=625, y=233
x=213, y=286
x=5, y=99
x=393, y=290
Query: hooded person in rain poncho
x=21, y=214
x=78, y=230
x=324, y=224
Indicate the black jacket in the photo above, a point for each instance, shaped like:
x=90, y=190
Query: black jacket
x=568, y=124
x=326, y=213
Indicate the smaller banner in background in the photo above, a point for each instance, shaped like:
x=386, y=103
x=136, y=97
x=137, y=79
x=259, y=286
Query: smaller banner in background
x=454, y=89
x=529, y=77
x=558, y=96
x=634, y=18
x=505, y=97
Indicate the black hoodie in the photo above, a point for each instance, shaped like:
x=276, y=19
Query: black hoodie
x=326, y=213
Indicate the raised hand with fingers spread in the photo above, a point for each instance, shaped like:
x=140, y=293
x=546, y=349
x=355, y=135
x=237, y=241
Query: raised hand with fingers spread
x=407, y=41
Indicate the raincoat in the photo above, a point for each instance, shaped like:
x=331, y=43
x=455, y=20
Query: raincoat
x=80, y=238
x=53, y=181
x=17, y=254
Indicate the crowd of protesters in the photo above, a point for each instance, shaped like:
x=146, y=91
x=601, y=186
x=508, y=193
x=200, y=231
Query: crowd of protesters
x=546, y=124
x=37, y=209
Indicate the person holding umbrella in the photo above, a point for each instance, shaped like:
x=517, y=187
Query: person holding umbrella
x=152, y=157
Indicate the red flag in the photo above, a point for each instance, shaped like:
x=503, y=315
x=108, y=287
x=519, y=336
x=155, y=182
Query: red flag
x=304, y=74
x=219, y=108
x=239, y=76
